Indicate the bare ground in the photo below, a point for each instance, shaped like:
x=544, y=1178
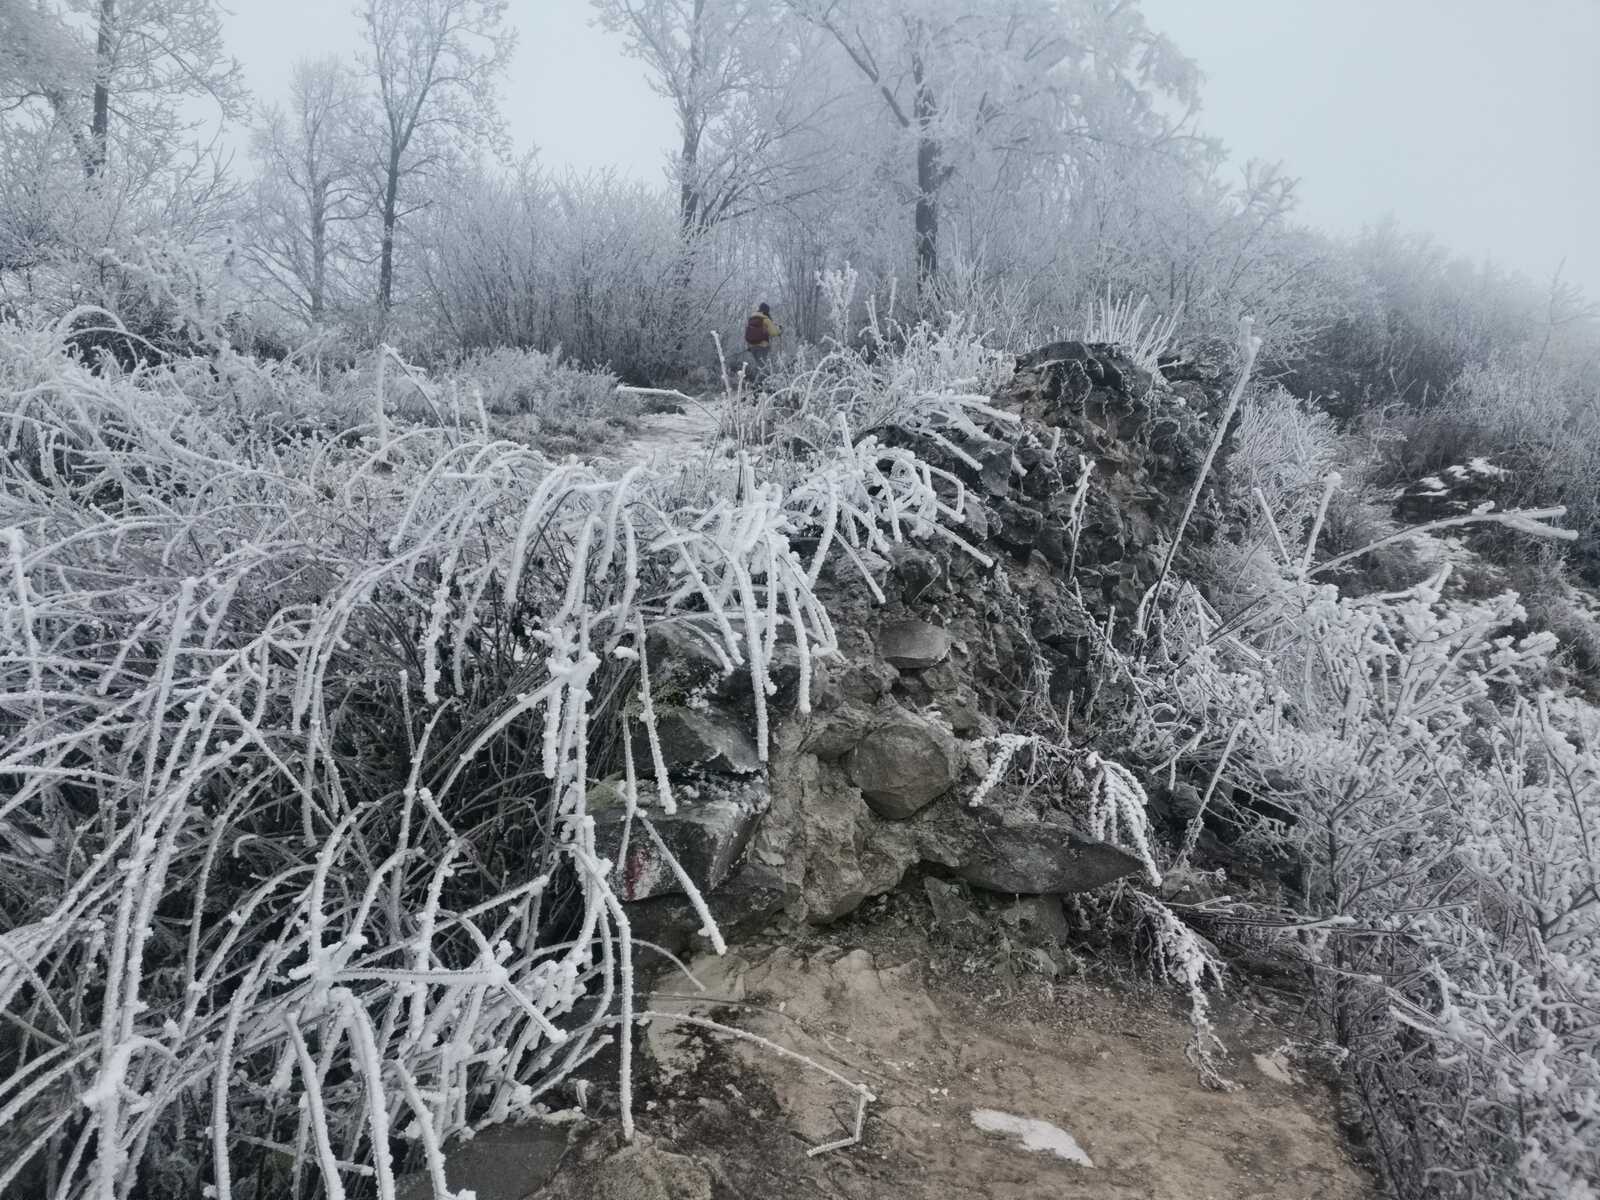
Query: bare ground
x=1103, y=1064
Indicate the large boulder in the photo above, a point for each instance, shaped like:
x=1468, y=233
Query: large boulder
x=903, y=764
x=822, y=840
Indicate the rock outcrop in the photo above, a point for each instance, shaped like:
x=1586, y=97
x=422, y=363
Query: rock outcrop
x=1083, y=486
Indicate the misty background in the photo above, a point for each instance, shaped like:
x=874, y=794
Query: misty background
x=1461, y=118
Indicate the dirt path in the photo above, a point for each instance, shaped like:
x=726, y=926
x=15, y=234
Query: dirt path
x=665, y=437
x=1103, y=1068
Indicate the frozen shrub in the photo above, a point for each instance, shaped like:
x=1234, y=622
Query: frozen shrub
x=1398, y=751
x=297, y=736
x=1143, y=337
x=908, y=376
x=528, y=381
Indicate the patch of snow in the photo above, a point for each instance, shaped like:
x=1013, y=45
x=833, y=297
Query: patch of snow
x=1483, y=466
x=1275, y=1066
x=1036, y=1135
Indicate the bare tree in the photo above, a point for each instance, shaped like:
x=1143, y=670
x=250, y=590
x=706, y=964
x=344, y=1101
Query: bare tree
x=434, y=65
x=117, y=68
x=737, y=77
x=912, y=53
x=311, y=184
x=971, y=80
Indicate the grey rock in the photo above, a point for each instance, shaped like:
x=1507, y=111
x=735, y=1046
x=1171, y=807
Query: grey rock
x=919, y=572
x=994, y=458
x=864, y=681
x=976, y=526
x=913, y=645
x=700, y=739
x=943, y=678
x=687, y=651
x=707, y=835
x=835, y=733
x=1019, y=525
x=506, y=1162
x=950, y=907
x=964, y=717
x=903, y=764
x=1027, y=855
x=1042, y=916
x=741, y=906
x=1055, y=543
x=689, y=656
x=822, y=839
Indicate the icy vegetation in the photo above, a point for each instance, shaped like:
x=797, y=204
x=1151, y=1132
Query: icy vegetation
x=297, y=736
x=337, y=580
x=299, y=725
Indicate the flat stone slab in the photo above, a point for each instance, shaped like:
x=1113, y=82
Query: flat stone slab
x=913, y=645
x=1041, y=858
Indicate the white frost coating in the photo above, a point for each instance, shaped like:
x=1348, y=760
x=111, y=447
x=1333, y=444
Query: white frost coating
x=1036, y=1135
x=508, y=586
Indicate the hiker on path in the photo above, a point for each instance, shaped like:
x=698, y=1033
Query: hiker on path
x=759, y=331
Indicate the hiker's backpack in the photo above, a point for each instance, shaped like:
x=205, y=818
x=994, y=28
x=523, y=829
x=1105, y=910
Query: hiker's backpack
x=755, y=330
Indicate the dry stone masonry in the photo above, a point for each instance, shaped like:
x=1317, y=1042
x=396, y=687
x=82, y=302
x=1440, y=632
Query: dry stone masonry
x=875, y=779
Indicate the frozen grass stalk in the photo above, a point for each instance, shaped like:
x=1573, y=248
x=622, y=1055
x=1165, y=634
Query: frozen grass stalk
x=301, y=696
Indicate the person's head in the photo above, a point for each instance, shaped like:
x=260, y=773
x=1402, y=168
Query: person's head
x=764, y=309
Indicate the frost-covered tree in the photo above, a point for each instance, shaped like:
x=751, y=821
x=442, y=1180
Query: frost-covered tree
x=97, y=125
x=741, y=82
x=39, y=57
x=145, y=59
x=434, y=66
x=310, y=190
x=994, y=85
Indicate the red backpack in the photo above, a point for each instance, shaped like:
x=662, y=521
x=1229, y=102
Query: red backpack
x=755, y=330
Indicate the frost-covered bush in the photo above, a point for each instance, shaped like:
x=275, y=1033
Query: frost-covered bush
x=297, y=734
x=1143, y=336
x=592, y=264
x=1281, y=451
x=1538, y=419
x=1398, y=750
x=544, y=385
x=916, y=377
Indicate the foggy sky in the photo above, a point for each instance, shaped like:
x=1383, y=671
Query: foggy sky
x=1475, y=120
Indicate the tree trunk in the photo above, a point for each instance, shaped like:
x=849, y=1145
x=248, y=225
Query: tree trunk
x=692, y=121
x=319, y=251
x=688, y=187
x=100, y=126
x=929, y=178
x=391, y=195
